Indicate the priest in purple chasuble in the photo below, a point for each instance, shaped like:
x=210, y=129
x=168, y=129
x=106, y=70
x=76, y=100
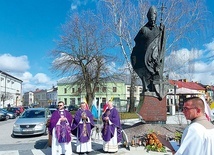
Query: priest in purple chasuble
x=111, y=131
x=81, y=128
x=60, y=129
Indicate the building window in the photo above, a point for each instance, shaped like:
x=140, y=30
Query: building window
x=43, y=96
x=140, y=90
x=73, y=90
x=65, y=90
x=65, y=101
x=128, y=88
x=79, y=90
x=97, y=89
x=114, y=89
x=103, y=100
x=72, y=101
x=104, y=89
x=79, y=101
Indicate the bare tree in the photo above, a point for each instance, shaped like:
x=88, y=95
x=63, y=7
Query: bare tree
x=82, y=53
x=182, y=19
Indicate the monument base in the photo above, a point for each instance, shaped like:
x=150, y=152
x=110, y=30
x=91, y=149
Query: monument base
x=152, y=110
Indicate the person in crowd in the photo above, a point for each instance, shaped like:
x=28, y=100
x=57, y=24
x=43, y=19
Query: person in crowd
x=198, y=137
x=81, y=128
x=60, y=130
x=111, y=131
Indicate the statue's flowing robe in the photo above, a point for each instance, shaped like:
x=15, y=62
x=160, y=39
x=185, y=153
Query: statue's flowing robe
x=147, y=57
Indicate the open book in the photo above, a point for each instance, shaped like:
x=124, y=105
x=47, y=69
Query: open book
x=172, y=145
x=175, y=145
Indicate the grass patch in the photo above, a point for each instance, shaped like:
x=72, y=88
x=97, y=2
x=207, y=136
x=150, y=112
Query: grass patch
x=128, y=115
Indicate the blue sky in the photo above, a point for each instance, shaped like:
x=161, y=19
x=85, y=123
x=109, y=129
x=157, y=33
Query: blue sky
x=28, y=31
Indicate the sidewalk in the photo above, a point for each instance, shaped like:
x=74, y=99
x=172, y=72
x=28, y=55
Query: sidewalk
x=140, y=150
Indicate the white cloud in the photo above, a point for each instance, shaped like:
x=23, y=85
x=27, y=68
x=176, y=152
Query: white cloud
x=41, y=78
x=28, y=87
x=190, y=65
x=77, y=3
x=19, y=68
x=202, y=67
x=40, y=81
x=73, y=7
x=11, y=63
x=31, y=83
x=210, y=46
x=209, y=50
x=26, y=77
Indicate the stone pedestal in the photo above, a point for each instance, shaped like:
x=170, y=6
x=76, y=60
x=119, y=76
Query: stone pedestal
x=152, y=110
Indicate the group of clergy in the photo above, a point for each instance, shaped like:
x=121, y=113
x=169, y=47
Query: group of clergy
x=62, y=125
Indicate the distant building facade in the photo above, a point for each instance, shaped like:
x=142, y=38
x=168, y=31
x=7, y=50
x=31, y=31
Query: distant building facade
x=72, y=94
x=117, y=90
x=10, y=90
x=28, y=98
x=52, y=96
x=40, y=98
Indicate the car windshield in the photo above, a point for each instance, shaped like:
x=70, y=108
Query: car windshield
x=33, y=114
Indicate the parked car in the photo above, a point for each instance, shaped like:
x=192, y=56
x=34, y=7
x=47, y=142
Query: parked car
x=52, y=110
x=26, y=107
x=32, y=122
x=10, y=115
x=14, y=110
x=53, y=106
x=3, y=116
x=73, y=107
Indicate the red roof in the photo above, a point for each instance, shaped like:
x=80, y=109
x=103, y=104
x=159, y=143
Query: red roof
x=189, y=85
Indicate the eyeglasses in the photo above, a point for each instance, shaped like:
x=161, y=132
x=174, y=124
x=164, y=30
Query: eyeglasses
x=187, y=109
x=60, y=105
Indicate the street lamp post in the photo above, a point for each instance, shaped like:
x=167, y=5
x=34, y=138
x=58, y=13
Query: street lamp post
x=174, y=94
x=173, y=106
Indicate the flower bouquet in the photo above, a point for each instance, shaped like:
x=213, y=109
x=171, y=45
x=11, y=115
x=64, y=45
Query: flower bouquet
x=153, y=143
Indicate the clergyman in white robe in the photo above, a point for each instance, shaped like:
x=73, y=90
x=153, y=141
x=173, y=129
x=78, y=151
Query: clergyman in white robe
x=197, y=139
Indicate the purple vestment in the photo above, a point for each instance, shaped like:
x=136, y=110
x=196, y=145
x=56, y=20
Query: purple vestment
x=63, y=127
x=108, y=130
x=82, y=128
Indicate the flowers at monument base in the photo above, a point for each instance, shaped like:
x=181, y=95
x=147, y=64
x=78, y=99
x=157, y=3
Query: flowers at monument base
x=153, y=143
x=178, y=136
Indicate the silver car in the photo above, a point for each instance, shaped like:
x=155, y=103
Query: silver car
x=9, y=114
x=32, y=122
